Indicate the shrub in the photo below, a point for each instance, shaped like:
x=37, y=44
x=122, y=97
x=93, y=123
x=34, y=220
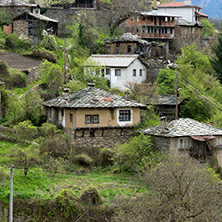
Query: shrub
x=131, y=155
x=106, y=157
x=93, y=151
x=17, y=79
x=57, y=146
x=49, y=130
x=83, y=160
x=91, y=196
x=13, y=42
x=44, y=54
x=49, y=42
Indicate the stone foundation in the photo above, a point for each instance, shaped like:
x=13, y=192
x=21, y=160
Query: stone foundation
x=100, y=137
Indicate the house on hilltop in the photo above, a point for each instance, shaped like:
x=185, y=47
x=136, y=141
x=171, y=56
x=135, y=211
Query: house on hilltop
x=17, y=7
x=185, y=9
x=198, y=139
x=92, y=116
x=119, y=69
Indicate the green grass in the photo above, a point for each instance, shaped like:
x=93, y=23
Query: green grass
x=39, y=183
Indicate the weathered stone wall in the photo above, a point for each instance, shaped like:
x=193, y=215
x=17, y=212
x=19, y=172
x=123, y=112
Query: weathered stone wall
x=15, y=10
x=154, y=67
x=100, y=137
x=162, y=143
x=20, y=27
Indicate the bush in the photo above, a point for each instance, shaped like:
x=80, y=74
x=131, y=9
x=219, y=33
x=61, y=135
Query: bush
x=83, y=160
x=13, y=42
x=44, y=54
x=49, y=42
x=48, y=130
x=91, y=196
x=93, y=151
x=57, y=146
x=106, y=157
x=131, y=155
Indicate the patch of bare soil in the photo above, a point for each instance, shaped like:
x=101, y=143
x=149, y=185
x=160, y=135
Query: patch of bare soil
x=16, y=61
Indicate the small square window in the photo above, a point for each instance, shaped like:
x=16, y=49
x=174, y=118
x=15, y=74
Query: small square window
x=117, y=72
x=124, y=115
x=88, y=119
x=91, y=119
x=134, y=72
x=107, y=71
x=129, y=48
x=95, y=118
x=71, y=118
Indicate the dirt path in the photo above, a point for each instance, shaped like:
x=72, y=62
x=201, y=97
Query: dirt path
x=16, y=61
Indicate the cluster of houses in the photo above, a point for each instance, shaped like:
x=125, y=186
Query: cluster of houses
x=94, y=117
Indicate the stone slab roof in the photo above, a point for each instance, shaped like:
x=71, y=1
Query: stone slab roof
x=111, y=60
x=38, y=16
x=156, y=13
x=164, y=100
x=17, y=3
x=183, y=22
x=92, y=97
x=183, y=127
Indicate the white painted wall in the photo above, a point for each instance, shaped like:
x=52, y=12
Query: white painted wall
x=124, y=123
x=61, y=119
x=127, y=75
x=187, y=13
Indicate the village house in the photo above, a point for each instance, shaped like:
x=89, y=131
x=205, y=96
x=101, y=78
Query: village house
x=78, y=4
x=119, y=69
x=185, y=9
x=133, y=44
x=31, y=25
x=95, y=117
x=199, y=140
x=17, y=7
x=165, y=105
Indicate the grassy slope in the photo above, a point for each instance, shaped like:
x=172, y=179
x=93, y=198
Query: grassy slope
x=39, y=183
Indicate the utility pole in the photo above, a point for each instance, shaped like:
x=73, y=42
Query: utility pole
x=11, y=195
x=65, y=60
x=176, y=97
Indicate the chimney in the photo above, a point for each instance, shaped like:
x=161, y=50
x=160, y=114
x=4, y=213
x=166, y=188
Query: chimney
x=187, y=2
x=13, y=2
x=211, y=123
x=158, y=2
x=91, y=85
x=127, y=95
x=163, y=123
x=65, y=91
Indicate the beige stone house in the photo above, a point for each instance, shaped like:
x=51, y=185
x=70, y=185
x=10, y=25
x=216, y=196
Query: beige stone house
x=92, y=116
x=199, y=140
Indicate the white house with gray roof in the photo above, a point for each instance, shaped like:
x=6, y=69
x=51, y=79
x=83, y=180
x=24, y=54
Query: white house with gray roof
x=198, y=139
x=119, y=69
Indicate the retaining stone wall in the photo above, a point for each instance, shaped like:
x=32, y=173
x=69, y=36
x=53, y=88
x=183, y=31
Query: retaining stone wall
x=100, y=137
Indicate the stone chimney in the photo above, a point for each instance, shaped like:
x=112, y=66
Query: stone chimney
x=65, y=91
x=158, y=2
x=187, y=2
x=163, y=124
x=211, y=123
x=127, y=95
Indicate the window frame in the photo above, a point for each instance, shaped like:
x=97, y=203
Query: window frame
x=117, y=72
x=71, y=118
x=141, y=72
x=184, y=143
x=134, y=72
x=108, y=73
x=92, y=119
x=124, y=115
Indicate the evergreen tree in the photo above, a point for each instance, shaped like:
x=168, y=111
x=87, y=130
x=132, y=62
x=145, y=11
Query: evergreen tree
x=216, y=60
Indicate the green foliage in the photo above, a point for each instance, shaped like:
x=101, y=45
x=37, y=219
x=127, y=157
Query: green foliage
x=13, y=42
x=83, y=160
x=51, y=75
x=49, y=130
x=192, y=56
x=24, y=159
x=208, y=28
x=131, y=155
x=166, y=80
x=106, y=157
x=4, y=18
x=217, y=57
x=26, y=131
x=91, y=196
x=49, y=42
x=42, y=53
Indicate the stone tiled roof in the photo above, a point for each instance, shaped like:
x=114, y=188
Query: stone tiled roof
x=92, y=97
x=164, y=100
x=111, y=60
x=17, y=3
x=183, y=22
x=156, y=13
x=38, y=16
x=183, y=127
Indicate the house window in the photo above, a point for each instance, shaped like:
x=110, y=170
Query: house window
x=107, y=71
x=117, y=72
x=124, y=115
x=129, y=48
x=137, y=29
x=91, y=119
x=141, y=72
x=19, y=12
x=134, y=72
x=184, y=143
x=71, y=118
x=185, y=31
x=62, y=112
